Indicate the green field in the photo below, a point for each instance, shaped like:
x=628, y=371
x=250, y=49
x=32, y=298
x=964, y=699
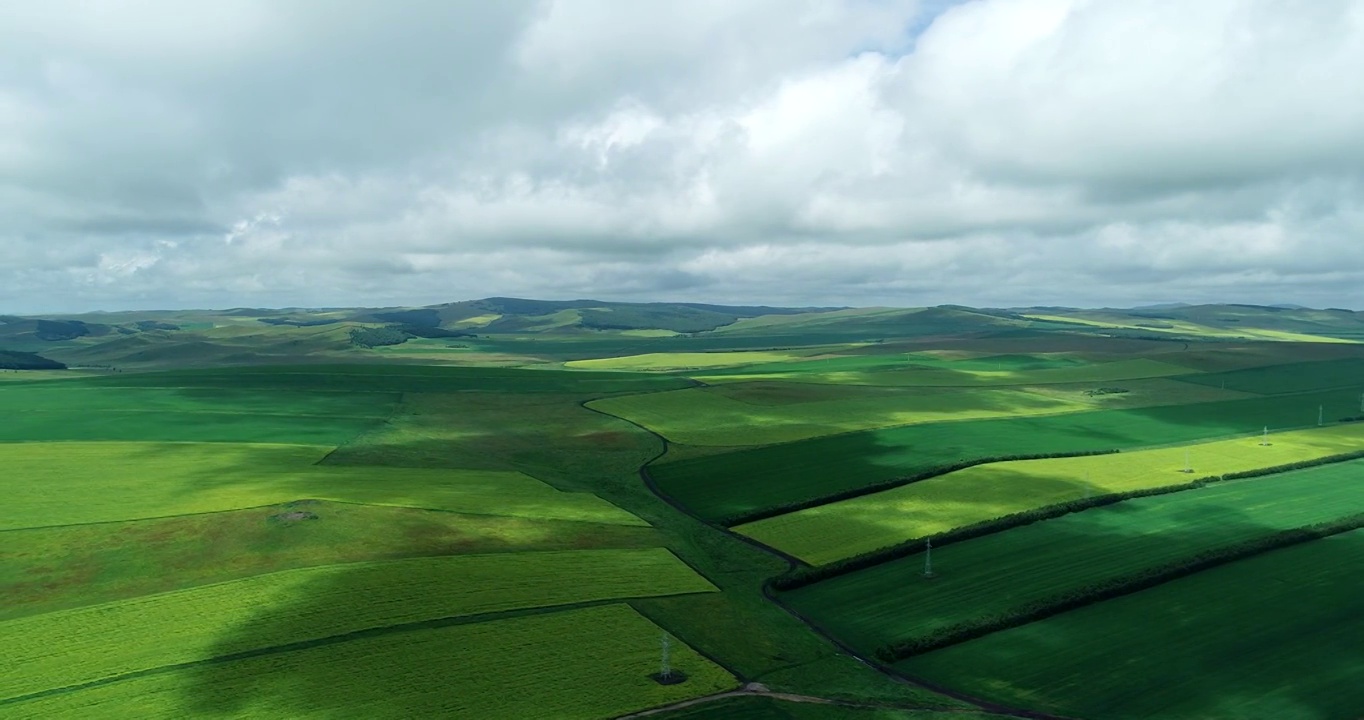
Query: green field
x=972, y=373
x=1276, y=636
x=70, y=483
x=84, y=410
x=677, y=361
x=994, y=573
x=1288, y=378
x=185, y=626
x=730, y=484
x=559, y=664
x=767, y=413
x=838, y=530
x=54, y=568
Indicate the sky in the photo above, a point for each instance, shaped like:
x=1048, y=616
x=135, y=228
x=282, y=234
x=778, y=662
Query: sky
x=1002, y=153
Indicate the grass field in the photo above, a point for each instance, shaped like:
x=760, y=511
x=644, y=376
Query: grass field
x=73, y=647
x=831, y=532
x=980, y=372
x=1185, y=328
x=396, y=378
x=766, y=413
x=752, y=707
x=54, y=568
x=69, y=483
x=1288, y=377
x=994, y=573
x=80, y=410
x=1276, y=636
x=676, y=361
x=559, y=664
x=728, y=484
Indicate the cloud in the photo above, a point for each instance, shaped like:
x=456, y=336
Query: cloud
x=996, y=152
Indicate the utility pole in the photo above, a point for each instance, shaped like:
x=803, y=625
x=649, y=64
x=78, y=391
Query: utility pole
x=665, y=668
x=928, y=557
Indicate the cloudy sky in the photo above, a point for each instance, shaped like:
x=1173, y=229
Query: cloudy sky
x=168, y=154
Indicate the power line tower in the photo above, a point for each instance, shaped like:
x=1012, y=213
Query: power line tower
x=1188, y=466
x=665, y=666
x=928, y=557
x=1264, y=439
x=1321, y=414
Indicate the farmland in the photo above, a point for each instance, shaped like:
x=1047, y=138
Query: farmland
x=837, y=530
x=889, y=602
x=560, y=664
x=740, y=483
x=506, y=511
x=1273, y=637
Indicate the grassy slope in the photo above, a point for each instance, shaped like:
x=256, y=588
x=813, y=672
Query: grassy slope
x=723, y=485
x=1276, y=636
x=67, y=483
x=558, y=665
x=77, y=646
x=994, y=573
x=863, y=371
x=831, y=532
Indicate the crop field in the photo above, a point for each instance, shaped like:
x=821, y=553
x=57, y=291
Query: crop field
x=55, y=568
x=681, y=360
x=1288, y=378
x=767, y=413
x=1276, y=636
x=1001, y=571
x=737, y=483
x=184, y=626
x=77, y=410
x=842, y=529
x=71, y=483
x=964, y=373
x=397, y=379
x=559, y=664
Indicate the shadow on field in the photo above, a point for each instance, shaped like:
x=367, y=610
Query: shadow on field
x=1160, y=653
x=753, y=480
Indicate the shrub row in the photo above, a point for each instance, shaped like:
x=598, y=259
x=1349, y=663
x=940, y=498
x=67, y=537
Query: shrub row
x=802, y=576
x=1107, y=590
x=771, y=512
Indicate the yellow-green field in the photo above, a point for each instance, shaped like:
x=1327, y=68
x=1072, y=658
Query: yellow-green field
x=757, y=414
x=946, y=376
x=72, y=647
x=587, y=663
x=683, y=360
x=1182, y=327
x=84, y=482
x=838, y=530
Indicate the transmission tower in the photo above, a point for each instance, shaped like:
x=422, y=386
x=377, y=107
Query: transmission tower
x=1264, y=440
x=665, y=666
x=928, y=557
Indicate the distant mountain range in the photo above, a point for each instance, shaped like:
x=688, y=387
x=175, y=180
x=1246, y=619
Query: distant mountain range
x=501, y=326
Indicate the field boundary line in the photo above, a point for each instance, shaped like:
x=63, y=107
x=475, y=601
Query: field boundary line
x=789, y=697
x=362, y=634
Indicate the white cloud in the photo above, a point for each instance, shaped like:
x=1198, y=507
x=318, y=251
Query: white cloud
x=1014, y=152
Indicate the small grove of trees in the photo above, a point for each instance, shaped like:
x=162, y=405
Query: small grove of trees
x=378, y=337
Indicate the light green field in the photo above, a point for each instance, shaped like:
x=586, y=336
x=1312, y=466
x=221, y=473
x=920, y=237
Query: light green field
x=67, y=483
x=77, y=646
x=970, y=374
x=838, y=530
x=1274, y=637
x=682, y=360
x=559, y=665
x=1183, y=327
x=765, y=413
